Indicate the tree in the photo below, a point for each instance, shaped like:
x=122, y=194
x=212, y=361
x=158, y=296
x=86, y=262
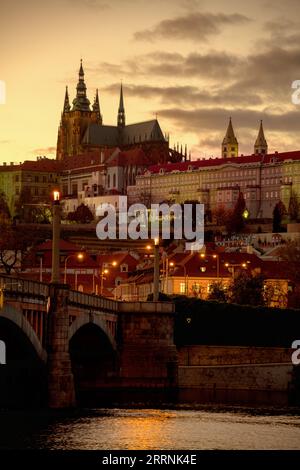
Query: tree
x=4, y=209
x=82, y=215
x=236, y=222
x=294, y=207
x=278, y=213
x=217, y=292
x=290, y=253
x=247, y=289
x=221, y=215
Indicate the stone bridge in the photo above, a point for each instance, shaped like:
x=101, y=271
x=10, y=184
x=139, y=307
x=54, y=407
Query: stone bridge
x=65, y=347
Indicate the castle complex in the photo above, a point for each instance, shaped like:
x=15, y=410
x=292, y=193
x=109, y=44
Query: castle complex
x=96, y=163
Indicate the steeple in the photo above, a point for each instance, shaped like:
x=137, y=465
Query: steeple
x=81, y=102
x=67, y=106
x=121, y=111
x=261, y=146
x=230, y=146
x=96, y=108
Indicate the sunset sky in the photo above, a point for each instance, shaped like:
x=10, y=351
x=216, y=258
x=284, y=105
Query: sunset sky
x=194, y=63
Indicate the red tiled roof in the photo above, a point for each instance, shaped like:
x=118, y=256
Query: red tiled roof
x=135, y=156
x=63, y=246
x=86, y=160
x=195, y=164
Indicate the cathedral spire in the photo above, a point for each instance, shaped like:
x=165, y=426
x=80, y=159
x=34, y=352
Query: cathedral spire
x=261, y=146
x=121, y=111
x=67, y=106
x=230, y=146
x=96, y=108
x=81, y=102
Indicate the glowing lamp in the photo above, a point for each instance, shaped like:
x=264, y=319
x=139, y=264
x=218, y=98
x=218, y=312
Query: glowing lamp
x=56, y=196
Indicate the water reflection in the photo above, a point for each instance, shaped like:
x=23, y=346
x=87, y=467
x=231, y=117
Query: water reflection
x=150, y=429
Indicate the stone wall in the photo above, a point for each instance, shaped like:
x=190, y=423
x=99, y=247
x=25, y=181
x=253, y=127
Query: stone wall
x=240, y=375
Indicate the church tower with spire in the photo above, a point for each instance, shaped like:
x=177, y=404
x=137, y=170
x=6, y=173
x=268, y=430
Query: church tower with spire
x=76, y=119
x=261, y=146
x=230, y=146
x=121, y=110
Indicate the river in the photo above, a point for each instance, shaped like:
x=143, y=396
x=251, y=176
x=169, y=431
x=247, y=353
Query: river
x=160, y=429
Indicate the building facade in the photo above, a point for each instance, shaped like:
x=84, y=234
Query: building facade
x=264, y=180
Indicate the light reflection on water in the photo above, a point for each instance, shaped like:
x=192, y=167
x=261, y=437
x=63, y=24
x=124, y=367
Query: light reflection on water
x=153, y=429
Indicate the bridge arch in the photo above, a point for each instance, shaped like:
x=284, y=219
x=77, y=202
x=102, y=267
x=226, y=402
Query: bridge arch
x=84, y=319
x=16, y=316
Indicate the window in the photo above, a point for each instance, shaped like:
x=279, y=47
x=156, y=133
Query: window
x=182, y=287
x=232, y=149
x=44, y=179
x=124, y=268
x=74, y=189
x=114, y=180
x=36, y=191
x=108, y=181
x=17, y=178
x=36, y=179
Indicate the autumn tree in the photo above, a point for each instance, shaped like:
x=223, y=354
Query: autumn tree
x=290, y=253
x=217, y=292
x=82, y=215
x=247, y=289
x=236, y=222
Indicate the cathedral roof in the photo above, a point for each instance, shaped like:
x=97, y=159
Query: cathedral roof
x=101, y=135
x=132, y=133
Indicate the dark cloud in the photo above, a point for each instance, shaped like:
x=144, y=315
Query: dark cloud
x=195, y=26
x=206, y=119
x=213, y=65
x=185, y=95
x=44, y=151
x=90, y=4
x=270, y=74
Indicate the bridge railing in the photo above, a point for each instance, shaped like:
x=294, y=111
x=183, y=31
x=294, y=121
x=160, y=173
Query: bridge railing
x=90, y=301
x=14, y=286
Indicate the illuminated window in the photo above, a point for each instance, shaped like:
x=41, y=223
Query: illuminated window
x=182, y=287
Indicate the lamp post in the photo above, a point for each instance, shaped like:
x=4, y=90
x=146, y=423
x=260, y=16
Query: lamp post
x=168, y=264
x=103, y=272
x=156, y=271
x=79, y=256
x=215, y=256
x=232, y=266
x=55, y=278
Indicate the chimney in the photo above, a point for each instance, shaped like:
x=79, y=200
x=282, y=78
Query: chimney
x=4, y=163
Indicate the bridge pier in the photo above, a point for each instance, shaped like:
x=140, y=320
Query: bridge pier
x=148, y=355
x=61, y=391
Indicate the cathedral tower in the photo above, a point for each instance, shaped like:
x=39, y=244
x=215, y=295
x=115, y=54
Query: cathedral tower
x=261, y=146
x=75, y=120
x=230, y=146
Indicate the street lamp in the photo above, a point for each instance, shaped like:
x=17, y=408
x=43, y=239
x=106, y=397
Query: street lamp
x=79, y=256
x=103, y=272
x=56, y=216
x=215, y=256
x=156, y=270
x=168, y=264
x=232, y=266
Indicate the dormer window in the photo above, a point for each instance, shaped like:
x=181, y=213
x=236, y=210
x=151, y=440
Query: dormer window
x=124, y=268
